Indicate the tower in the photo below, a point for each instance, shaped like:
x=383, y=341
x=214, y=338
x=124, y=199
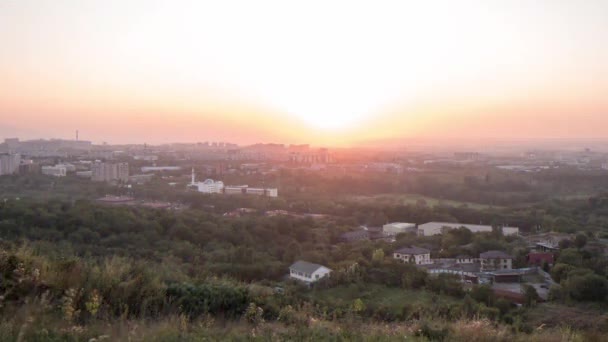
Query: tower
x=193, y=176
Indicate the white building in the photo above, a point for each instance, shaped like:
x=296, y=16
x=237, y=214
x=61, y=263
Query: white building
x=145, y=169
x=465, y=259
x=308, y=272
x=68, y=167
x=141, y=179
x=56, y=171
x=245, y=189
x=109, y=172
x=495, y=260
x=436, y=228
x=235, y=189
x=209, y=186
x=414, y=255
x=395, y=228
x=9, y=163
x=145, y=157
x=270, y=192
x=84, y=174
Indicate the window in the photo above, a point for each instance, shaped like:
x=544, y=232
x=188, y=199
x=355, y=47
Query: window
x=316, y=276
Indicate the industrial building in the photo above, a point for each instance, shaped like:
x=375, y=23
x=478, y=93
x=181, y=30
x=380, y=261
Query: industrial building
x=395, y=228
x=436, y=228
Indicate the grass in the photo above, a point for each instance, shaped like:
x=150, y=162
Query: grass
x=580, y=316
x=377, y=296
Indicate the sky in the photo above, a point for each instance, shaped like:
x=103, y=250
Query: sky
x=334, y=73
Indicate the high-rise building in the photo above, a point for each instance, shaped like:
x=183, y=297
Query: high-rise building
x=9, y=163
x=110, y=172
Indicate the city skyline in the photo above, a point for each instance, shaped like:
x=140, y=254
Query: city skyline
x=334, y=75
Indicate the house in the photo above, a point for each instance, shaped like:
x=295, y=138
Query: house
x=507, y=276
x=465, y=259
x=307, y=271
x=495, y=260
x=357, y=235
x=414, y=255
x=539, y=259
x=547, y=246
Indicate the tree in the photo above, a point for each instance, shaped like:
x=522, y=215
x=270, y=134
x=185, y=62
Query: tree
x=378, y=255
x=560, y=272
x=254, y=314
x=483, y=294
x=587, y=287
x=530, y=295
x=580, y=241
x=570, y=256
x=358, y=306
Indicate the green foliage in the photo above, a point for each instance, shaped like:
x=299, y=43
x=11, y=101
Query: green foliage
x=358, y=306
x=448, y=284
x=432, y=333
x=560, y=272
x=586, y=287
x=580, y=241
x=483, y=294
x=378, y=255
x=216, y=299
x=530, y=295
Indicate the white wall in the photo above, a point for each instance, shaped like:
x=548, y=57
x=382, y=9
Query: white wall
x=419, y=259
x=316, y=275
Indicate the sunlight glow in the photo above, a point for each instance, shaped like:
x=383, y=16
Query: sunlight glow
x=300, y=70
x=331, y=68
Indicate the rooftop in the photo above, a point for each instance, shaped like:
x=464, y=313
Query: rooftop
x=495, y=255
x=305, y=266
x=435, y=225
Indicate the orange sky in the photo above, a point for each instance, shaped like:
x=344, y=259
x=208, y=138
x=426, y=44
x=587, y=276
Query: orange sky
x=327, y=73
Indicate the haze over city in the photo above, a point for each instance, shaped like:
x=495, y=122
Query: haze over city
x=337, y=74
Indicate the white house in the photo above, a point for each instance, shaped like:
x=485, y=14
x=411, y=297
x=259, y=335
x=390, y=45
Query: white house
x=465, y=259
x=308, y=272
x=395, y=228
x=414, y=255
x=495, y=260
x=436, y=228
